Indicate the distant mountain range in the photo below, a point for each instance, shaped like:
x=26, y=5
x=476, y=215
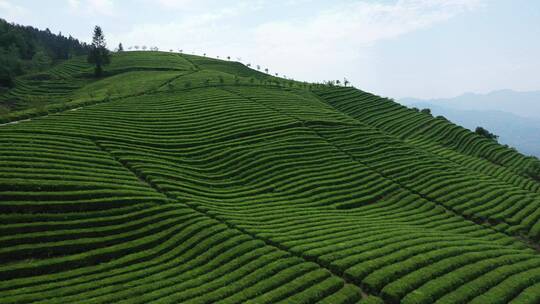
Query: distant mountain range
x=514, y=116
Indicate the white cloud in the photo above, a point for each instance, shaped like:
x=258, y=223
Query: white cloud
x=359, y=24
x=204, y=32
x=178, y=4
x=74, y=4
x=345, y=33
x=104, y=7
x=92, y=7
x=329, y=44
x=12, y=12
x=204, y=6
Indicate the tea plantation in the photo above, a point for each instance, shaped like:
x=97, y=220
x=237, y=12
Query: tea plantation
x=178, y=178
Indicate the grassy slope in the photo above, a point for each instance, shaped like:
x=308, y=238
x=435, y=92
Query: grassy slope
x=185, y=178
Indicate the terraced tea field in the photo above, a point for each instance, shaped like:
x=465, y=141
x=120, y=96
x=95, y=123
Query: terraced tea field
x=179, y=178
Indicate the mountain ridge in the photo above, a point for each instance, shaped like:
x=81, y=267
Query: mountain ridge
x=521, y=103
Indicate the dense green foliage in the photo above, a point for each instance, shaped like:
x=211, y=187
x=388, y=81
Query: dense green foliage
x=26, y=49
x=179, y=178
x=483, y=132
x=98, y=54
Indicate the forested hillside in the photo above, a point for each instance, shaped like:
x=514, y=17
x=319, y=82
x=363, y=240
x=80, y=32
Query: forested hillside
x=27, y=49
x=179, y=178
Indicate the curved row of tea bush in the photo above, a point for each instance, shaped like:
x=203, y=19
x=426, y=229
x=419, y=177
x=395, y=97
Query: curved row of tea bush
x=405, y=123
x=275, y=164
x=255, y=194
x=476, y=195
x=81, y=227
x=61, y=83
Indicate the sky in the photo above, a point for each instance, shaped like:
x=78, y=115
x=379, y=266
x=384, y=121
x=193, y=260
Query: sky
x=394, y=48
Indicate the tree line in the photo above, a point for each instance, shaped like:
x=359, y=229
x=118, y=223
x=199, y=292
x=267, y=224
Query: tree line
x=27, y=49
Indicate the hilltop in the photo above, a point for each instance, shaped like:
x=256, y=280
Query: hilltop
x=180, y=178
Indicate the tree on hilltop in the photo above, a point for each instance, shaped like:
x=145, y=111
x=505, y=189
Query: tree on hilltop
x=99, y=55
x=120, y=47
x=483, y=132
x=426, y=111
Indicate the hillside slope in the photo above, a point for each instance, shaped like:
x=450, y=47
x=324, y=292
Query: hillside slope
x=522, y=133
x=24, y=49
x=180, y=178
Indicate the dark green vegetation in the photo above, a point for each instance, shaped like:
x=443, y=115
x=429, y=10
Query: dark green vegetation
x=99, y=54
x=179, y=178
x=483, y=132
x=26, y=49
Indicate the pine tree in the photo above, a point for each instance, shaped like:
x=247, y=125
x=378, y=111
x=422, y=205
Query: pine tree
x=99, y=55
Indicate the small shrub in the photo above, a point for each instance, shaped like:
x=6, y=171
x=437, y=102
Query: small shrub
x=485, y=133
x=441, y=117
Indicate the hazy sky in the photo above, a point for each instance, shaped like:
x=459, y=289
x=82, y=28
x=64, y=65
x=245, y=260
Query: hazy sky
x=416, y=48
